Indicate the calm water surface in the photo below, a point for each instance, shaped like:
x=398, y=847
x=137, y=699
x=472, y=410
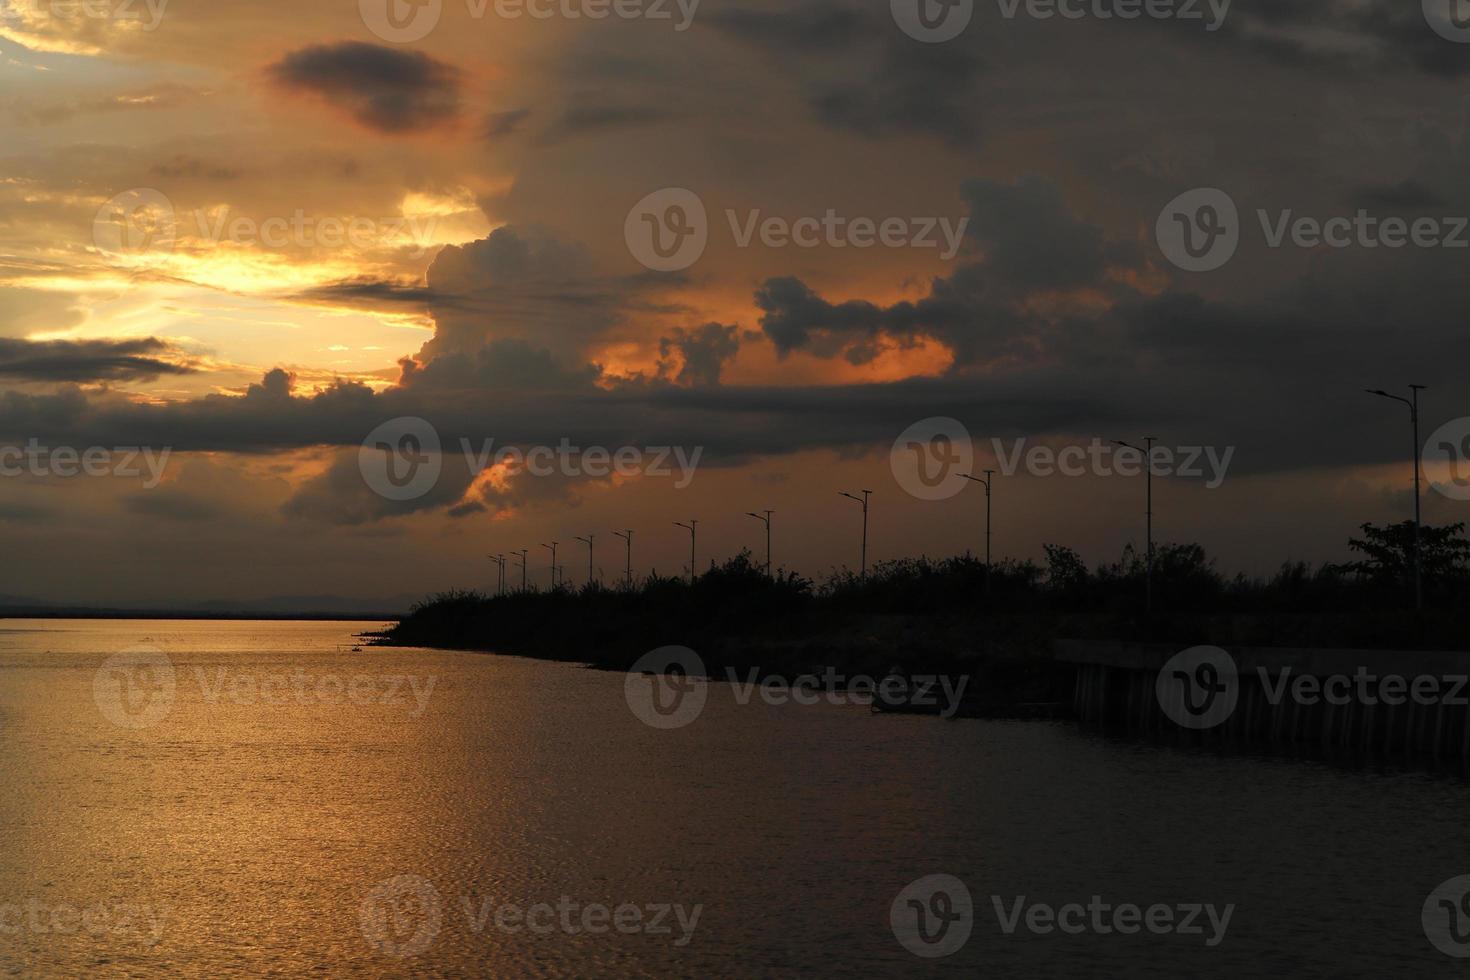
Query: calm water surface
x=251, y=824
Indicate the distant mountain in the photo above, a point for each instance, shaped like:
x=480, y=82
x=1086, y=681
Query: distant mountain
x=282, y=604
x=306, y=606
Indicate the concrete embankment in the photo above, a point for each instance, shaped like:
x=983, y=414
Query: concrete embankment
x=1391, y=703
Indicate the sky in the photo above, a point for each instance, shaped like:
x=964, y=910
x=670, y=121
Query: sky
x=282, y=250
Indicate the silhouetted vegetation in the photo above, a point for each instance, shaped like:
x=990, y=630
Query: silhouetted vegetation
x=950, y=614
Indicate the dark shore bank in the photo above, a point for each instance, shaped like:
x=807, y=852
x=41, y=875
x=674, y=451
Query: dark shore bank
x=946, y=617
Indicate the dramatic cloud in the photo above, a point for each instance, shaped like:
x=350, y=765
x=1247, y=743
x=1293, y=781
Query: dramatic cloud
x=702, y=352
x=90, y=360
x=387, y=89
x=901, y=86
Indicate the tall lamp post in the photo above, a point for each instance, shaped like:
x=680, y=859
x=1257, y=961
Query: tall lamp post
x=523, y=553
x=552, y=547
x=1413, y=403
x=588, y=541
x=989, y=476
x=691, y=528
x=499, y=561
x=1148, y=490
x=766, y=520
x=628, y=537
x=864, y=501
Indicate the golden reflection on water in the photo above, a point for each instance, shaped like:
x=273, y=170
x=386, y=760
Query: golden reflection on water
x=254, y=821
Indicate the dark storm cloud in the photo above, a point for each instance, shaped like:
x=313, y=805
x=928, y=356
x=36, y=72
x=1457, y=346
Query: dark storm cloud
x=703, y=352
x=858, y=72
x=901, y=86
x=912, y=87
x=1100, y=358
x=341, y=496
x=525, y=285
x=89, y=360
x=387, y=89
x=1029, y=240
x=373, y=293
x=1030, y=237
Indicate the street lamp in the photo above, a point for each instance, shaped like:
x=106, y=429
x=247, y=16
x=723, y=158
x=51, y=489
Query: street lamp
x=1413, y=404
x=588, y=541
x=987, y=484
x=690, y=526
x=628, y=537
x=864, y=501
x=766, y=520
x=990, y=475
x=1148, y=483
x=552, y=546
x=499, y=560
x=523, y=553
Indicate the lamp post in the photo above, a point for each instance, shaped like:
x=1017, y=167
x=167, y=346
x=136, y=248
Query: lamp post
x=690, y=526
x=1413, y=403
x=588, y=541
x=1148, y=490
x=499, y=561
x=989, y=476
x=628, y=537
x=864, y=501
x=523, y=553
x=766, y=520
x=552, y=546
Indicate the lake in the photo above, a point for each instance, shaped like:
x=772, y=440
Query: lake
x=235, y=798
